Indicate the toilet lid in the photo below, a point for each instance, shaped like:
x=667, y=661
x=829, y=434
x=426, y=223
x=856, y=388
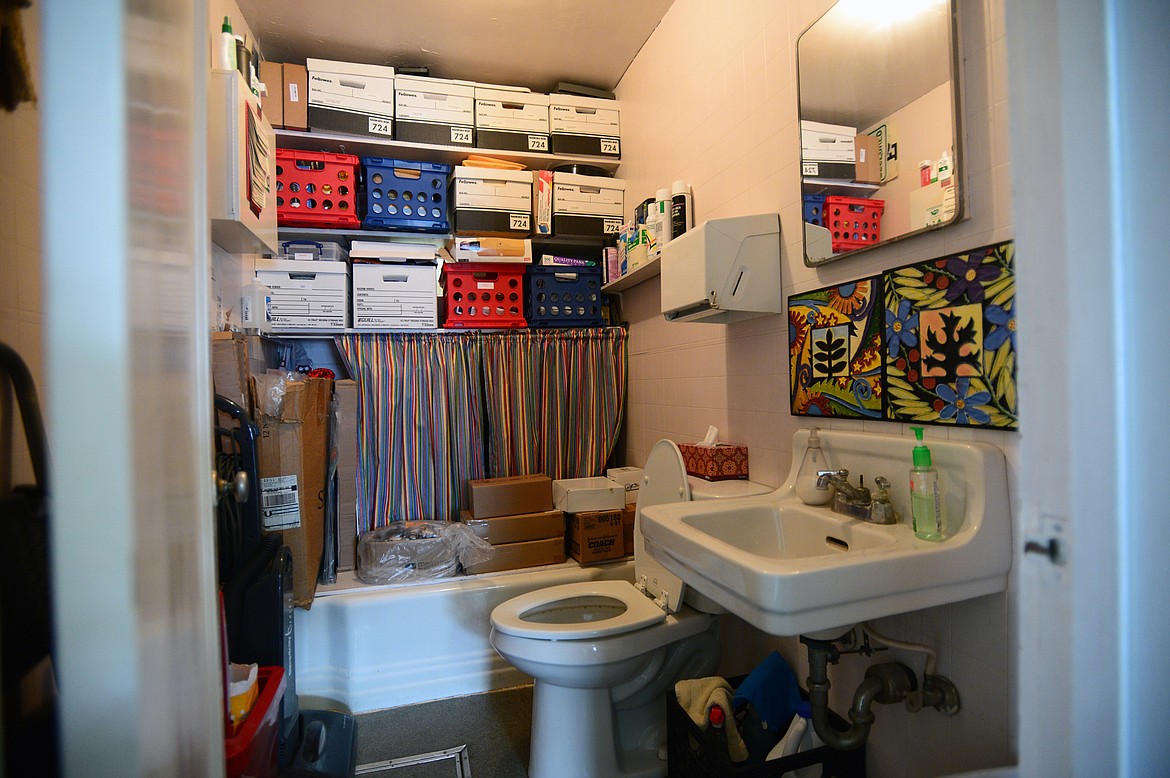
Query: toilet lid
x=664, y=480
x=577, y=611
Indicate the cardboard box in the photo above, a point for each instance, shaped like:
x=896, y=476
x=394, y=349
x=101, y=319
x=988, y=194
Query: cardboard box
x=529, y=553
x=492, y=202
x=866, y=160
x=584, y=125
x=542, y=199
x=630, y=478
x=229, y=367
x=518, y=527
x=595, y=536
x=434, y=110
x=574, y=495
x=512, y=120
x=351, y=97
x=272, y=75
x=305, y=295
x=392, y=295
x=293, y=454
x=629, y=514
x=345, y=393
x=587, y=206
x=509, y=495
x=296, y=96
x=480, y=248
x=720, y=462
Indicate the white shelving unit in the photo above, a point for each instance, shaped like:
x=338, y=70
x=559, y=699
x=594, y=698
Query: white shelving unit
x=640, y=274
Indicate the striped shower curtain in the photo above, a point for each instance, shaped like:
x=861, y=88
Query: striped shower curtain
x=437, y=409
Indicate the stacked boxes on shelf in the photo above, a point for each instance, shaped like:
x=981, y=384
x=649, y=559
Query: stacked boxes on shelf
x=516, y=515
x=350, y=97
x=304, y=294
x=594, y=524
x=827, y=150
x=394, y=286
x=587, y=206
x=316, y=189
x=492, y=202
x=482, y=248
x=563, y=296
x=484, y=295
x=404, y=195
x=511, y=119
x=434, y=110
x=584, y=125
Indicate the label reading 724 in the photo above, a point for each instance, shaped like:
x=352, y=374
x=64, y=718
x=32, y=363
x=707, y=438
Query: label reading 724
x=461, y=135
x=379, y=125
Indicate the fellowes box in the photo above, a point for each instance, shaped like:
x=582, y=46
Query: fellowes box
x=392, y=295
x=434, y=110
x=351, y=97
x=827, y=150
x=587, y=206
x=492, y=202
x=595, y=536
x=512, y=120
x=304, y=294
x=584, y=125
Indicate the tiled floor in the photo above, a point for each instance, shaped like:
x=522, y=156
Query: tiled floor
x=493, y=727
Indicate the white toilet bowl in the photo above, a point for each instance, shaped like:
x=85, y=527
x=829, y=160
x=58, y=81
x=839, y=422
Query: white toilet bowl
x=604, y=653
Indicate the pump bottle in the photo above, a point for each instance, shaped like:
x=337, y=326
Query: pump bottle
x=926, y=504
x=806, y=477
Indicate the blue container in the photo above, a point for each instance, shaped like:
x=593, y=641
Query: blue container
x=404, y=195
x=563, y=296
x=814, y=209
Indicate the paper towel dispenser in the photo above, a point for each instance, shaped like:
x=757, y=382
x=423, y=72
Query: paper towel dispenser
x=723, y=271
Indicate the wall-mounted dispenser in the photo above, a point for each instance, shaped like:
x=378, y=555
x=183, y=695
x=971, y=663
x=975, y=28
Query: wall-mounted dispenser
x=723, y=271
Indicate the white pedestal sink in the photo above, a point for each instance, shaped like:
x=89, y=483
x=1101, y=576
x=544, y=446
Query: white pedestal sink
x=793, y=569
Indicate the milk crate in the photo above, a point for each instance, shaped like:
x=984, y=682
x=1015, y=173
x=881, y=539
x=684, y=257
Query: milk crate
x=402, y=195
x=814, y=209
x=563, y=296
x=316, y=189
x=853, y=222
x=484, y=295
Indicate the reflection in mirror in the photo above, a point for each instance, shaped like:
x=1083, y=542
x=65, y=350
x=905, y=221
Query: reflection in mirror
x=879, y=124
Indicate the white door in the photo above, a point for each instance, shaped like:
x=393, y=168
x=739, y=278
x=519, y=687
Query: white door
x=1088, y=83
x=128, y=386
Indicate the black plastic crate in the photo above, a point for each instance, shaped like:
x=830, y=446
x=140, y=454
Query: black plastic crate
x=689, y=754
x=563, y=296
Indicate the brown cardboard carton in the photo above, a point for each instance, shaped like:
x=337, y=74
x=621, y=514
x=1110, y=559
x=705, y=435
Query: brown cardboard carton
x=293, y=455
x=346, y=395
x=507, y=496
x=595, y=536
x=529, y=553
x=867, y=165
x=296, y=97
x=229, y=367
x=628, y=515
x=517, y=529
x=272, y=76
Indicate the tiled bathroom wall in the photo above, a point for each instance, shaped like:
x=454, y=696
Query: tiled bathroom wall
x=20, y=239
x=711, y=99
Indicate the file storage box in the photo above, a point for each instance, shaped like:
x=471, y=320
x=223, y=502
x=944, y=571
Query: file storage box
x=316, y=189
x=484, y=295
x=351, y=97
x=404, y=195
x=492, y=202
x=584, y=125
x=304, y=295
x=392, y=295
x=434, y=110
x=563, y=296
x=587, y=206
x=511, y=120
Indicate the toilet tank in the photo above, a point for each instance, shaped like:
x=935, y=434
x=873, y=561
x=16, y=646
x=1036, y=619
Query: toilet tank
x=712, y=490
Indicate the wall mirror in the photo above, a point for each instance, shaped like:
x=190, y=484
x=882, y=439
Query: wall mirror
x=879, y=115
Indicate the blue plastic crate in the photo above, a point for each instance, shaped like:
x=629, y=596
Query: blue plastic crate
x=814, y=209
x=404, y=195
x=557, y=296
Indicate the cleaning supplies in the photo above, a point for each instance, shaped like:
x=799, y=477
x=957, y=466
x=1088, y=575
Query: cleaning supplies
x=226, y=52
x=682, y=210
x=926, y=504
x=806, y=477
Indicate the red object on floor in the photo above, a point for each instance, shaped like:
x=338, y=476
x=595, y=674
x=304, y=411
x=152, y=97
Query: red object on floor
x=252, y=751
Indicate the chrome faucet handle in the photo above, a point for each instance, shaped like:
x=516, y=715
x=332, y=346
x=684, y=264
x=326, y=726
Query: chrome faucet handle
x=881, y=483
x=825, y=477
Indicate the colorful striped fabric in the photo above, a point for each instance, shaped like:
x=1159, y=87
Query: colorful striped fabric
x=437, y=409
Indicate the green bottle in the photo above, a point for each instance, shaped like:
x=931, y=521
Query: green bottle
x=926, y=503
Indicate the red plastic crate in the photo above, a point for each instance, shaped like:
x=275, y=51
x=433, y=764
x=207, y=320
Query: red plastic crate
x=252, y=750
x=316, y=189
x=853, y=222
x=484, y=295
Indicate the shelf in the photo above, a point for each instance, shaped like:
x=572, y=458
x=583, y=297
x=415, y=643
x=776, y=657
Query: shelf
x=306, y=334
x=837, y=186
x=340, y=143
x=643, y=273
x=345, y=236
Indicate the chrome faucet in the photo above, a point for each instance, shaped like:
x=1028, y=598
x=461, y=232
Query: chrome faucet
x=856, y=501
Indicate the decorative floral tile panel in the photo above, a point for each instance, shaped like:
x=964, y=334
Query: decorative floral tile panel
x=950, y=339
x=835, y=350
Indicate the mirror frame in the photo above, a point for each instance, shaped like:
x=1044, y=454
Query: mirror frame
x=961, y=199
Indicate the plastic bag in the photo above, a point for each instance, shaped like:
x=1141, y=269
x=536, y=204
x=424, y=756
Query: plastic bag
x=419, y=551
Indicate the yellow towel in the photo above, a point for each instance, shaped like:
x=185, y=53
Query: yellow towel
x=698, y=695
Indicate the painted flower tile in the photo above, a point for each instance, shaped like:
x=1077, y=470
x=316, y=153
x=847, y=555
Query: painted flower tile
x=950, y=339
x=835, y=350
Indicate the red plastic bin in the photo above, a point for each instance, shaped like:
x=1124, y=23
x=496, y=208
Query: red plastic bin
x=252, y=750
x=853, y=222
x=484, y=295
x=316, y=189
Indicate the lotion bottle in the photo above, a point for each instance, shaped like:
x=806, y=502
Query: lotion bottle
x=682, y=211
x=806, y=477
x=226, y=53
x=926, y=504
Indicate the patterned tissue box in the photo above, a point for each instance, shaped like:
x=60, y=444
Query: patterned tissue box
x=721, y=462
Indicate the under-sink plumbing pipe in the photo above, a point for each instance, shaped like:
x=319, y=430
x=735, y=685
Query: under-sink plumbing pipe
x=931, y=654
x=937, y=691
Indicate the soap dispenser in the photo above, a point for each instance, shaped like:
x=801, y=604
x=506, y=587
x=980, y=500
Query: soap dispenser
x=806, y=477
x=926, y=504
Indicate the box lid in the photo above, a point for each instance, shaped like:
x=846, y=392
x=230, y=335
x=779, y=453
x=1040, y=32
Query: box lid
x=350, y=68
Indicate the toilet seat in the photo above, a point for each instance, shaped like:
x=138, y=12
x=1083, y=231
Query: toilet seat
x=514, y=617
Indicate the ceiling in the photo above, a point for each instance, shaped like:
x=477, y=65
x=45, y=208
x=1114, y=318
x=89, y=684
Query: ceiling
x=532, y=43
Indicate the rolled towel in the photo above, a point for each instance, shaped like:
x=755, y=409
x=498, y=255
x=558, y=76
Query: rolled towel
x=697, y=696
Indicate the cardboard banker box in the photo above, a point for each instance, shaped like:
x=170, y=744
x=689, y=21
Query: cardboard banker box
x=595, y=536
x=509, y=495
x=293, y=452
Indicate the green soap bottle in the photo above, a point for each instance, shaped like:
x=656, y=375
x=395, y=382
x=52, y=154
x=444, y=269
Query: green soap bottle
x=926, y=503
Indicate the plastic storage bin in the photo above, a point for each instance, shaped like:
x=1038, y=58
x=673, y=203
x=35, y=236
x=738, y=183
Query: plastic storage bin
x=853, y=222
x=252, y=750
x=316, y=189
x=814, y=207
x=484, y=295
x=402, y=195
x=563, y=296
x=327, y=251
x=689, y=755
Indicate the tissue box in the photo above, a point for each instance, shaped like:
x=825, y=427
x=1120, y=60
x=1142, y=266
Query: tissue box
x=721, y=462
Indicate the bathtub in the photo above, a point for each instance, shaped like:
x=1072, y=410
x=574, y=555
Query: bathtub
x=372, y=647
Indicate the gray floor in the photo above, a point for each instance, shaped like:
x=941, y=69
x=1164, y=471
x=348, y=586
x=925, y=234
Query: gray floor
x=494, y=727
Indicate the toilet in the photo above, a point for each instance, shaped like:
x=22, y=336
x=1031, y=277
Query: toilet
x=604, y=653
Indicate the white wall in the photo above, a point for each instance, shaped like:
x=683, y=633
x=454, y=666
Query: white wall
x=711, y=99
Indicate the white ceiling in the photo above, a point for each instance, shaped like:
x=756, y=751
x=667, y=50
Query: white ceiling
x=533, y=43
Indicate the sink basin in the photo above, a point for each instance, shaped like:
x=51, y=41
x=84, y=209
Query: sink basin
x=793, y=569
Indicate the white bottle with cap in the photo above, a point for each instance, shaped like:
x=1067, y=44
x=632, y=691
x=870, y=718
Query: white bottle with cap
x=682, y=212
x=662, y=211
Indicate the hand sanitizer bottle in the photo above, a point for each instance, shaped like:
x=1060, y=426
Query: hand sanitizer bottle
x=926, y=504
x=806, y=477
